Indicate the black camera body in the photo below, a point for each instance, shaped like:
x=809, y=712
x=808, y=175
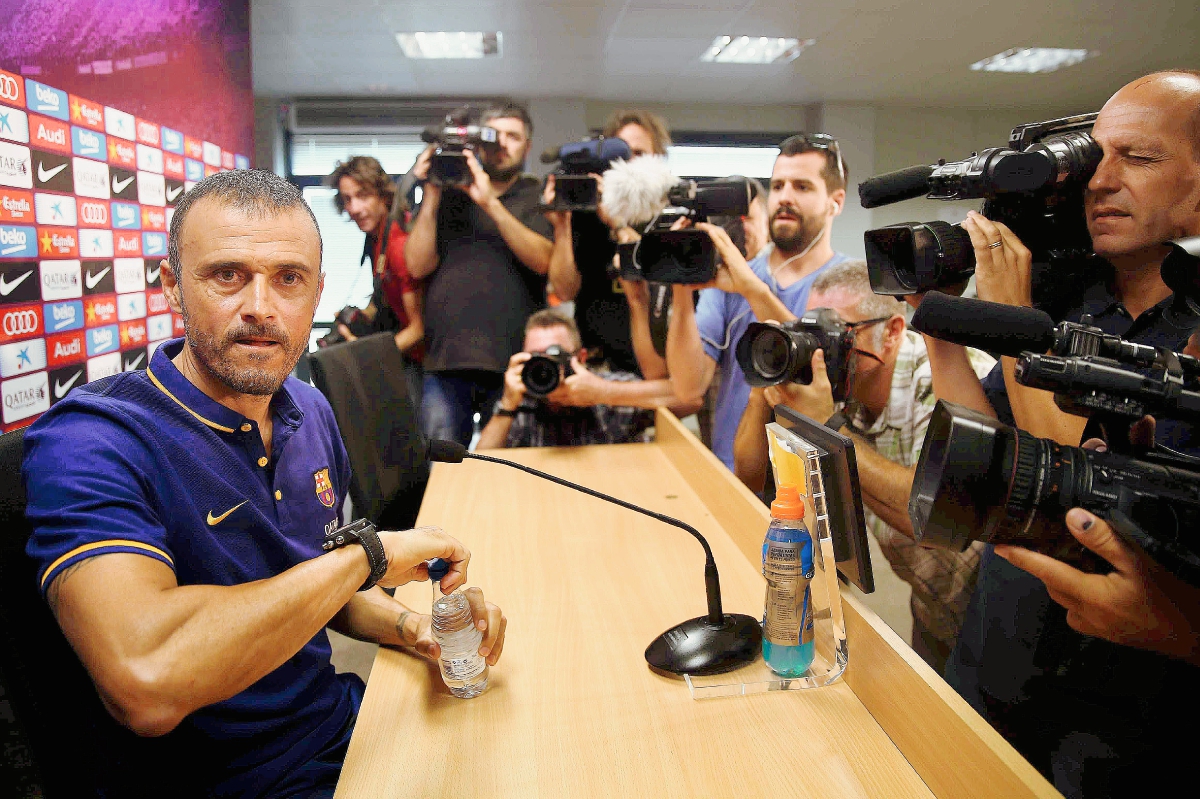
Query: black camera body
x=1034, y=186
x=686, y=256
x=771, y=353
x=575, y=188
x=359, y=323
x=448, y=165
x=543, y=372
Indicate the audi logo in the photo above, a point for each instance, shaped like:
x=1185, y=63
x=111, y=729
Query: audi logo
x=8, y=88
x=18, y=323
x=94, y=214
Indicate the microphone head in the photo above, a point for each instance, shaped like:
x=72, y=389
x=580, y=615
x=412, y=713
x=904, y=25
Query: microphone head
x=549, y=155
x=443, y=451
x=636, y=190
x=990, y=326
x=892, y=187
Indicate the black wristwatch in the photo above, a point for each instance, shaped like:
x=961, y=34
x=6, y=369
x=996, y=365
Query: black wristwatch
x=504, y=412
x=837, y=421
x=361, y=532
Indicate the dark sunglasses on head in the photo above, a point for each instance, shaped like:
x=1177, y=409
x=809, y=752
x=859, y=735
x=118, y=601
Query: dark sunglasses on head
x=823, y=141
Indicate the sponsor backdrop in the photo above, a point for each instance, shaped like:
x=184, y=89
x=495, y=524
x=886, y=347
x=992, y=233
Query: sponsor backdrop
x=107, y=116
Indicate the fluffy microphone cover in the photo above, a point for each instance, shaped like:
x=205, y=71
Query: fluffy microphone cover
x=636, y=190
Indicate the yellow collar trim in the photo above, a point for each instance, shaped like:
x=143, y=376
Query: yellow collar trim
x=163, y=389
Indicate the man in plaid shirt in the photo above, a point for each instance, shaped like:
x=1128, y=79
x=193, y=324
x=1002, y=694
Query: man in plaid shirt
x=891, y=401
x=604, y=407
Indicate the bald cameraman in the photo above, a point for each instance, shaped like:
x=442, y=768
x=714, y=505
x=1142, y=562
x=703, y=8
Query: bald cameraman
x=1091, y=686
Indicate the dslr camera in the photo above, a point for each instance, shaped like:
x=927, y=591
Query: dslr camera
x=574, y=187
x=685, y=256
x=771, y=353
x=448, y=165
x=543, y=373
x=355, y=319
x=1034, y=185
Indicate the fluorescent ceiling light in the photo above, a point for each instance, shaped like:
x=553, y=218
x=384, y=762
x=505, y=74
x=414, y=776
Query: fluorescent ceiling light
x=450, y=44
x=754, y=49
x=1032, y=59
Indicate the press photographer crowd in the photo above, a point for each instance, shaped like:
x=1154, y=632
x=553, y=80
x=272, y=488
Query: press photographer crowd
x=1022, y=391
x=1027, y=457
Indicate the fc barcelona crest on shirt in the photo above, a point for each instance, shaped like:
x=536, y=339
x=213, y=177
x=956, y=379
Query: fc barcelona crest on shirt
x=324, y=488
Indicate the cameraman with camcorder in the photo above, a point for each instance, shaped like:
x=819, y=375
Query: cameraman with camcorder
x=483, y=247
x=808, y=189
x=552, y=400
x=1093, y=693
x=883, y=398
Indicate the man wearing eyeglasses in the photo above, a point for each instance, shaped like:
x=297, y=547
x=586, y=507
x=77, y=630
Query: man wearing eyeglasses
x=808, y=189
x=606, y=407
x=891, y=402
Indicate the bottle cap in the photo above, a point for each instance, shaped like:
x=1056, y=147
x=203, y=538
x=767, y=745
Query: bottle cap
x=787, y=504
x=438, y=568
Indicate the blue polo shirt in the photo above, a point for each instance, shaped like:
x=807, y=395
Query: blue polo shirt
x=146, y=463
x=722, y=318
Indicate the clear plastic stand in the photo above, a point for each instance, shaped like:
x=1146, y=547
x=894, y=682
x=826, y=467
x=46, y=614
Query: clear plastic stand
x=796, y=462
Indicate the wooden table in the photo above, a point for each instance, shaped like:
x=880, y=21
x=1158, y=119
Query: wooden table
x=573, y=710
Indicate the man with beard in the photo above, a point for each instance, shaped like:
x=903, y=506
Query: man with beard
x=808, y=189
x=484, y=252
x=179, y=515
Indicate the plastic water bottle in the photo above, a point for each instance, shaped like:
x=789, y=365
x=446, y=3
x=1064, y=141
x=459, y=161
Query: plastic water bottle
x=464, y=671
x=788, y=567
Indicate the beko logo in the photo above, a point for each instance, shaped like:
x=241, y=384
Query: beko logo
x=103, y=339
x=20, y=323
x=89, y=143
x=93, y=213
x=125, y=215
x=63, y=315
x=12, y=236
x=48, y=99
x=10, y=90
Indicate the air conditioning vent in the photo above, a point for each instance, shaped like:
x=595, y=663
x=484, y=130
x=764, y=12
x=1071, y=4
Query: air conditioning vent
x=375, y=116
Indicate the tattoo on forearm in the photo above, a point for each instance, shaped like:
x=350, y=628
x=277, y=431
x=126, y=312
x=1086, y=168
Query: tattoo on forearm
x=400, y=625
x=56, y=587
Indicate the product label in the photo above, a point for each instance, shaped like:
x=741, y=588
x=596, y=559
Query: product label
x=787, y=614
x=464, y=668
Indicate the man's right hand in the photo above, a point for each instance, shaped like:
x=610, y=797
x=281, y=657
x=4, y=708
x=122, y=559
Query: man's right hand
x=408, y=552
x=514, y=386
x=420, y=171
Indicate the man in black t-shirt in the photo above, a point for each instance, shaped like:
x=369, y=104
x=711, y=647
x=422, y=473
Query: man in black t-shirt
x=484, y=252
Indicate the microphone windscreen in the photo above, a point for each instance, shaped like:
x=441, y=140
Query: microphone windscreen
x=990, y=326
x=892, y=187
x=549, y=155
x=443, y=451
x=636, y=190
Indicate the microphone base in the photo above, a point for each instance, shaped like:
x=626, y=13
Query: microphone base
x=698, y=647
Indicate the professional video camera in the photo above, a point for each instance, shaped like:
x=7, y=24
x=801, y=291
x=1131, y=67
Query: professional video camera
x=643, y=193
x=575, y=188
x=978, y=479
x=359, y=323
x=771, y=353
x=1034, y=186
x=448, y=166
x=543, y=373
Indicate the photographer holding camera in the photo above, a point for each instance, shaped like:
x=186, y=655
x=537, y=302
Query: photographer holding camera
x=1092, y=692
x=551, y=399
x=887, y=413
x=808, y=189
x=366, y=194
x=484, y=251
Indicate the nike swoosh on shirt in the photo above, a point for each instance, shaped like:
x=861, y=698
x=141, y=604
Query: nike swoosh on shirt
x=6, y=288
x=119, y=185
x=91, y=280
x=62, y=388
x=152, y=274
x=173, y=193
x=44, y=176
x=213, y=521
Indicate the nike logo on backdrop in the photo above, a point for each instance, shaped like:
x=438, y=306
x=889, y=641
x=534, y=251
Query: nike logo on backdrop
x=213, y=521
x=173, y=193
x=118, y=185
x=44, y=176
x=152, y=274
x=131, y=365
x=6, y=288
x=62, y=388
x=91, y=280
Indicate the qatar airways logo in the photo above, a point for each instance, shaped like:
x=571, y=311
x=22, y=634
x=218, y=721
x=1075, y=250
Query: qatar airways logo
x=26, y=396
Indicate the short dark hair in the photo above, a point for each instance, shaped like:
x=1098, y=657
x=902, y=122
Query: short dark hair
x=656, y=126
x=551, y=317
x=834, y=178
x=510, y=111
x=366, y=171
x=252, y=190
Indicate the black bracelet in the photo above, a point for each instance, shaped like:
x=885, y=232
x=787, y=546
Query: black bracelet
x=505, y=412
x=837, y=421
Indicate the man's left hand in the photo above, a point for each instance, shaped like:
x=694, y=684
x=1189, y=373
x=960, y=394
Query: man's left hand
x=557, y=219
x=814, y=400
x=417, y=630
x=481, y=190
x=1140, y=604
x=580, y=389
x=1003, y=264
x=345, y=332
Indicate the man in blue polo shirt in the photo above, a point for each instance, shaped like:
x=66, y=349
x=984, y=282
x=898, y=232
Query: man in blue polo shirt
x=179, y=514
x=808, y=189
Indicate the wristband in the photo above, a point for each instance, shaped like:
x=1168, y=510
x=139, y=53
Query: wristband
x=837, y=421
x=504, y=412
x=361, y=532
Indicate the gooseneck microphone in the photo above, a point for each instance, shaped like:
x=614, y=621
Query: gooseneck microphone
x=1005, y=329
x=712, y=644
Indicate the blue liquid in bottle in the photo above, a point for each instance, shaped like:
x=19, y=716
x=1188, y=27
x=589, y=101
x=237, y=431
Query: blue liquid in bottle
x=788, y=567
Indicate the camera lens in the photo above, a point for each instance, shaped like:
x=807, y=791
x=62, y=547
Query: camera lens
x=914, y=257
x=769, y=354
x=541, y=376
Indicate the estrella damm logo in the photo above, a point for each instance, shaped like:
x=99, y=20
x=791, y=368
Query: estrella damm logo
x=324, y=488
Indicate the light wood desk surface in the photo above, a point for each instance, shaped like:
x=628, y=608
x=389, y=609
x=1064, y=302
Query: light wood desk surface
x=573, y=709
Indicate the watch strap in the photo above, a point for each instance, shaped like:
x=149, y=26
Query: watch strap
x=504, y=412
x=837, y=421
x=361, y=532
